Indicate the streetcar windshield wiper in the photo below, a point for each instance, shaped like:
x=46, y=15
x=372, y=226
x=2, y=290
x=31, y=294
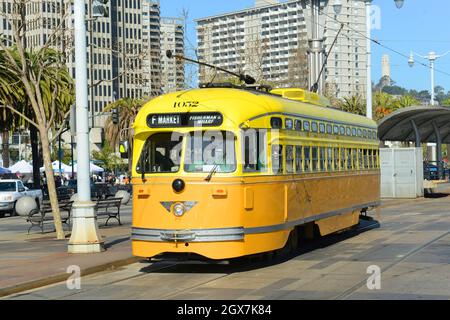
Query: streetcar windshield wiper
x=213, y=170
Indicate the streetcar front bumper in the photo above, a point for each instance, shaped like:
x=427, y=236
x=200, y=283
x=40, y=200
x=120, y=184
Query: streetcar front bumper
x=194, y=235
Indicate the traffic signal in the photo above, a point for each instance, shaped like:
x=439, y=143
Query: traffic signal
x=115, y=116
x=99, y=9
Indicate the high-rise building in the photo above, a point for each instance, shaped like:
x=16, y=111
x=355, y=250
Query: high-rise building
x=172, y=38
x=345, y=72
x=124, y=49
x=151, y=35
x=270, y=42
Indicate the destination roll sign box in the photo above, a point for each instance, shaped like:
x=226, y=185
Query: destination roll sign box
x=194, y=119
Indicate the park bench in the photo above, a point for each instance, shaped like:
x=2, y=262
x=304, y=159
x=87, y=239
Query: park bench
x=109, y=208
x=43, y=214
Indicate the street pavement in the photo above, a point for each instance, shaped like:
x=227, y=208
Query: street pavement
x=29, y=260
x=410, y=248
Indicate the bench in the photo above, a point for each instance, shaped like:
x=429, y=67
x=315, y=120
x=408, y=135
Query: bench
x=39, y=216
x=109, y=208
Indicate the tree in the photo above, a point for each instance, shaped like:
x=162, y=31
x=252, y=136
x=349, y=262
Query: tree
x=446, y=102
x=49, y=90
x=10, y=92
x=383, y=105
x=108, y=159
x=395, y=90
x=439, y=94
x=405, y=101
x=353, y=104
x=330, y=92
x=128, y=109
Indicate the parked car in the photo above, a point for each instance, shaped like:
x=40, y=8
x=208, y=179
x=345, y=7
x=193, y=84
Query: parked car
x=98, y=189
x=430, y=170
x=12, y=190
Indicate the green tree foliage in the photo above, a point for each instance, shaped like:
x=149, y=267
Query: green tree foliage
x=107, y=159
x=43, y=93
x=128, y=109
x=353, y=104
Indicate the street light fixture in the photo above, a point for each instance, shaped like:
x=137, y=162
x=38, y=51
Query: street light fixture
x=399, y=3
x=337, y=6
x=432, y=56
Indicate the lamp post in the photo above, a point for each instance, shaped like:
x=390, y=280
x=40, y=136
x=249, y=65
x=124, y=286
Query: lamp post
x=85, y=236
x=435, y=147
x=337, y=6
x=315, y=50
x=432, y=56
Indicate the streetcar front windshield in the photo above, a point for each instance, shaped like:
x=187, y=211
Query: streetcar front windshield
x=161, y=153
x=208, y=151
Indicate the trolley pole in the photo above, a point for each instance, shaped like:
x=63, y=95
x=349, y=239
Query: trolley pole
x=85, y=236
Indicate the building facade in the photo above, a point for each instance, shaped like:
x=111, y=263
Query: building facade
x=172, y=38
x=270, y=42
x=123, y=54
x=151, y=35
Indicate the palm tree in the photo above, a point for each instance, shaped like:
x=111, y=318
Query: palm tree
x=47, y=94
x=10, y=93
x=128, y=109
x=383, y=105
x=353, y=104
x=406, y=101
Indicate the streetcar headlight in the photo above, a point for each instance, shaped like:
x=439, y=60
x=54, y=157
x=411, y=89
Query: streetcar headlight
x=179, y=209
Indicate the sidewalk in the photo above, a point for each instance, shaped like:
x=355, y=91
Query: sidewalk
x=34, y=260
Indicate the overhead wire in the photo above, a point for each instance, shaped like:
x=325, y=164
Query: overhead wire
x=377, y=42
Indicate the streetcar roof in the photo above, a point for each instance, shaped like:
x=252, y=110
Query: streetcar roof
x=239, y=105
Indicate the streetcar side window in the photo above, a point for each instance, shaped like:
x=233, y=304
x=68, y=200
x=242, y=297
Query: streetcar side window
x=361, y=159
x=210, y=151
x=254, y=150
x=355, y=159
x=306, y=126
x=307, y=160
x=343, y=158
x=289, y=159
x=322, y=128
x=322, y=159
x=329, y=129
x=288, y=124
x=376, y=157
x=336, y=159
x=330, y=159
x=349, y=159
x=315, y=159
x=161, y=154
x=277, y=159
x=298, y=159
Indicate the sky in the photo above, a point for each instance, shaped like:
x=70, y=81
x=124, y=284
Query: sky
x=420, y=26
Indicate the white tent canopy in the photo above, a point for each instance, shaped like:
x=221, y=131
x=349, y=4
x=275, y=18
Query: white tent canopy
x=92, y=168
x=22, y=167
x=55, y=165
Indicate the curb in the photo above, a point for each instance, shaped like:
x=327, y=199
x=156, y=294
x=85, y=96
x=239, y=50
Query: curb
x=64, y=276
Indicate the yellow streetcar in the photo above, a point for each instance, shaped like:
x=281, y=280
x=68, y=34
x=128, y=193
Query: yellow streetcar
x=230, y=172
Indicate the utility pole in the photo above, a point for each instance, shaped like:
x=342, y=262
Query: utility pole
x=369, y=61
x=91, y=72
x=85, y=236
x=316, y=49
x=431, y=57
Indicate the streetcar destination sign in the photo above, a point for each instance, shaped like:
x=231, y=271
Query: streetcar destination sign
x=192, y=119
